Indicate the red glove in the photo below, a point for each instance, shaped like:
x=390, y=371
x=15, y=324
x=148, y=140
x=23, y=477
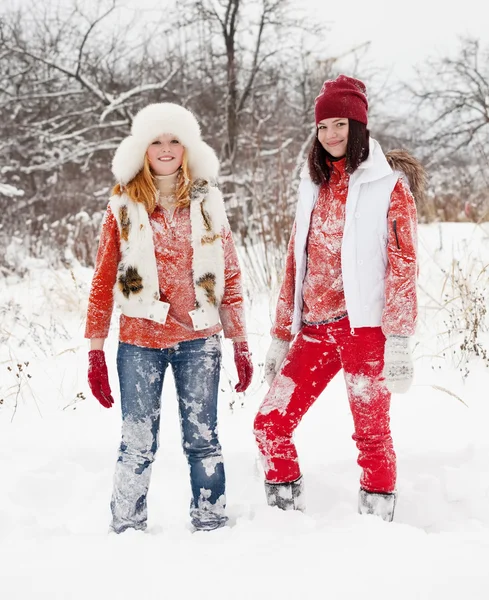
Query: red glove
x=244, y=366
x=98, y=378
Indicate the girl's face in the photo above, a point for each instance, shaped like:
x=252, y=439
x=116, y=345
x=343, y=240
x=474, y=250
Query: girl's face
x=333, y=136
x=165, y=154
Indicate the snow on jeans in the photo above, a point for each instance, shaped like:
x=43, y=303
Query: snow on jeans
x=315, y=357
x=196, y=367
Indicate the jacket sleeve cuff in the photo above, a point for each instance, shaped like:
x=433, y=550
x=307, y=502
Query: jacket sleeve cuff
x=281, y=333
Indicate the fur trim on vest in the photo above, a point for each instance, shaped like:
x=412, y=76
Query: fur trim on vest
x=412, y=169
x=155, y=120
x=137, y=290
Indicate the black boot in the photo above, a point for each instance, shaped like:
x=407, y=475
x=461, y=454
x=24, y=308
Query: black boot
x=373, y=503
x=286, y=496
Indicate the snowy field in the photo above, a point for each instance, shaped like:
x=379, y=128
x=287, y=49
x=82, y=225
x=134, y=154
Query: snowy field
x=58, y=448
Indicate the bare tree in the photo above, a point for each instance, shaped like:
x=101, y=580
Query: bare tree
x=454, y=92
x=245, y=51
x=451, y=99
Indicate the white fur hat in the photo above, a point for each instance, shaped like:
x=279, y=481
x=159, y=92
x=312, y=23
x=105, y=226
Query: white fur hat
x=155, y=120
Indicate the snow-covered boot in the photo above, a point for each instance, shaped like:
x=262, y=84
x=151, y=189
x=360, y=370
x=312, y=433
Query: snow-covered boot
x=286, y=496
x=373, y=503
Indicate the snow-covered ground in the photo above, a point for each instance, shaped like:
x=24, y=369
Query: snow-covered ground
x=58, y=447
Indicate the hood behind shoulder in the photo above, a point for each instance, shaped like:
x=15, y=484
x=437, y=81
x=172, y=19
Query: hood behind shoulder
x=401, y=160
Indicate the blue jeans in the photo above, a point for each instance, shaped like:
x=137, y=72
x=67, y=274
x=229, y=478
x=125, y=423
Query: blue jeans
x=196, y=367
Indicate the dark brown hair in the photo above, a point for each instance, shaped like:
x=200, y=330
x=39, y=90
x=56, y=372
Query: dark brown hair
x=357, y=151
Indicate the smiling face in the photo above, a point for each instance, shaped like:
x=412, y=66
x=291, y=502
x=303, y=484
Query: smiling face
x=333, y=136
x=165, y=154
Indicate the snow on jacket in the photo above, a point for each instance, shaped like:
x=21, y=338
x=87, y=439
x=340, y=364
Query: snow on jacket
x=378, y=248
x=322, y=291
x=197, y=286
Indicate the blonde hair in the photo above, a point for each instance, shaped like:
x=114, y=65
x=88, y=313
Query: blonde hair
x=142, y=186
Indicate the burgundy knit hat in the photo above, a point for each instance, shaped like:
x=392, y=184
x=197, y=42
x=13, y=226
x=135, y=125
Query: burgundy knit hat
x=343, y=97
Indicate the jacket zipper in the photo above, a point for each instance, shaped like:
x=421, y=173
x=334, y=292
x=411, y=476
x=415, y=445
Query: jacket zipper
x=394, y=227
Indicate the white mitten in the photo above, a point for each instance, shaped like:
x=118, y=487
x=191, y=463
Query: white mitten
x=275, y=357
x=398, y=364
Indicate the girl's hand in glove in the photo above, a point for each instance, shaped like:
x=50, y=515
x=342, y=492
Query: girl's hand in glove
x=398, y=364
x=275, y=357
x=98, y=378
x=244, y=366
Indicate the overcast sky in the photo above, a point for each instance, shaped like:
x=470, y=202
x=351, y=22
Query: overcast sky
x=402, y=33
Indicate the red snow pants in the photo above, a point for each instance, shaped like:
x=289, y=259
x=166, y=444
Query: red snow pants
x=315, y=357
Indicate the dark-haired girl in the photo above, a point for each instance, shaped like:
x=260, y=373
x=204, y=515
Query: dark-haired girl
x=347, y=301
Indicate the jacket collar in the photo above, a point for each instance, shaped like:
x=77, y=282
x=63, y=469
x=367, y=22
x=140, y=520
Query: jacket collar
x=374, y=168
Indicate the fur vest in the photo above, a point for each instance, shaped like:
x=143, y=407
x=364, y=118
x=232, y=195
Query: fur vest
x=137, y=289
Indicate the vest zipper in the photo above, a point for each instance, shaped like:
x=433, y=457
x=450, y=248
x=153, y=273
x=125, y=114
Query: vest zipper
x=394, y=227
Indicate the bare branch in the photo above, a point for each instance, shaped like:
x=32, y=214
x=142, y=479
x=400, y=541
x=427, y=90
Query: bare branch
x=122, y=98
x=87, y=34
x=105, y=98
